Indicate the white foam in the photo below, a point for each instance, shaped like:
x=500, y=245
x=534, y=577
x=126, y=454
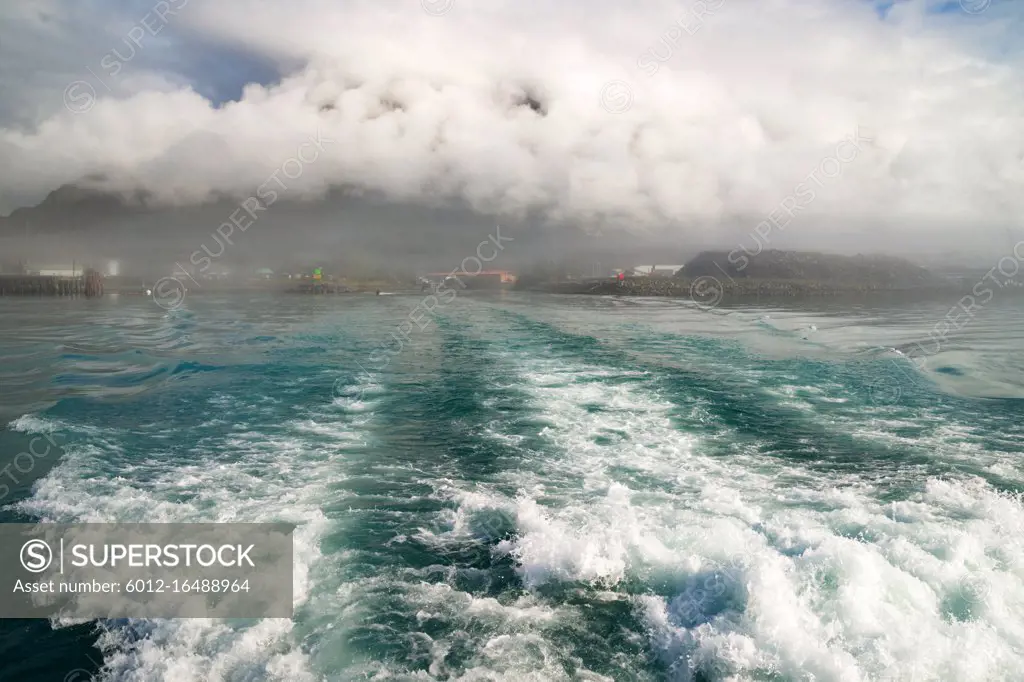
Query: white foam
x=30, y=423
x=249, y=476
x=823, y=577
x=508, y=639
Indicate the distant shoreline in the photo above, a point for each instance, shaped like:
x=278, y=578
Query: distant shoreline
x=707, y=289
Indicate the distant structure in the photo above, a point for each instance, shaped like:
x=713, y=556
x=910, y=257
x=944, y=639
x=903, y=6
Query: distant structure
x=55, y=270
x=217, y=273
x=655, y=270
x=485, y=279
x=52, y=282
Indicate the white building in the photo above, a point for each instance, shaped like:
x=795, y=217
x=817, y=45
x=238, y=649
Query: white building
x=655, y=270
x=58, y=270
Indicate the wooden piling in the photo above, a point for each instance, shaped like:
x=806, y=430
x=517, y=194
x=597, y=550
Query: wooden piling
x=89, y=285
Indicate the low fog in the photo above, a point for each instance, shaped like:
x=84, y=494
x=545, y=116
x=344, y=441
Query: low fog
x=351, y=234
x=594, y=130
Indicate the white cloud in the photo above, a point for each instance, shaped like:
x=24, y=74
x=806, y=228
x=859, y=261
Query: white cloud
x=421, y=107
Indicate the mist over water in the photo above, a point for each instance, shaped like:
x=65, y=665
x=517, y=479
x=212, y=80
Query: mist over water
x=542, y=487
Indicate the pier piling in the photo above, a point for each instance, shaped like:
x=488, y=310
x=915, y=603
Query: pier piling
x=89, y=285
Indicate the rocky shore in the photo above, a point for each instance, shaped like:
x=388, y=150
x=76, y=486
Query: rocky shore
x=812, y=269
x=712, y=277
x=707, y=287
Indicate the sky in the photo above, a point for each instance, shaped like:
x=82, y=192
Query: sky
x=886, y=121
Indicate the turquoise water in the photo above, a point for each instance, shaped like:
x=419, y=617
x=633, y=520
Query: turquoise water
x=541, y=487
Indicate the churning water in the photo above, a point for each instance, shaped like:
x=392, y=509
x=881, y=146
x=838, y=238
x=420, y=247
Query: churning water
x=542, y=487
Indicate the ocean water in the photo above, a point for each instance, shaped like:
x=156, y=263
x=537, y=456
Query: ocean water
x=541, y=487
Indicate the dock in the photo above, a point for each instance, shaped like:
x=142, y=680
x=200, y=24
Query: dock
x=88, y=285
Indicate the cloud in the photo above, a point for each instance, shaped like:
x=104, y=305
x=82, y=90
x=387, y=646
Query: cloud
x=505, y=106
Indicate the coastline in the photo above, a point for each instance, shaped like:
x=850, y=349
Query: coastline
x=707, y=289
